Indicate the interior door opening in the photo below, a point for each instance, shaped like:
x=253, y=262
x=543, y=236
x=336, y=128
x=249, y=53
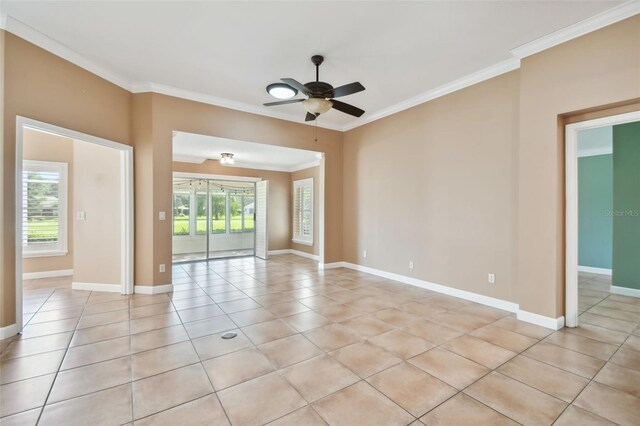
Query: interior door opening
x=212, y=218
x=602, y=219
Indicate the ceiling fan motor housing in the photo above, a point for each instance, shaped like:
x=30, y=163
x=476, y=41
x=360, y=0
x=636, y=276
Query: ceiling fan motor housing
x=320, y=89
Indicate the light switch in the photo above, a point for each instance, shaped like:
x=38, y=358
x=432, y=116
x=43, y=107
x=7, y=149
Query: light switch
x=81, y=215
x=162, y=216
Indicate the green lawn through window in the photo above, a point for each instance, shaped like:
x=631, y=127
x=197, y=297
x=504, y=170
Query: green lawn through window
x=181, y=224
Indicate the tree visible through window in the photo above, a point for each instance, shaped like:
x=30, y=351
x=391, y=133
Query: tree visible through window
x=44, y=207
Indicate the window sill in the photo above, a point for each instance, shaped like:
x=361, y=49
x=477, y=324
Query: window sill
x=303, y=242
x=44, y=253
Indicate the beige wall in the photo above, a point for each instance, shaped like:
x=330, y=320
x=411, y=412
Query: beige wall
x=169, y=114
x=97, y=192
x=312, y=172
x=279, y=217
x=43, y=146
x=44, y=87
x=435, y=185
x=594, y=71
x=597, y=69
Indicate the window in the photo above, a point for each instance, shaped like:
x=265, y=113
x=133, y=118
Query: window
x=218, y=212
x=303, y=211
x=44, y=208
x=201, y=212
x=241, y=209
x=181, y=213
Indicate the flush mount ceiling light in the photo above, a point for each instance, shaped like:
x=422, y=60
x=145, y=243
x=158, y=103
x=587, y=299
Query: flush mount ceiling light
x=281, y=91
x=226, y=158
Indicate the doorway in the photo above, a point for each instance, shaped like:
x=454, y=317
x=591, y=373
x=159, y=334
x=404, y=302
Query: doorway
x=602, y=171
x=48, y=223
x=212, y=218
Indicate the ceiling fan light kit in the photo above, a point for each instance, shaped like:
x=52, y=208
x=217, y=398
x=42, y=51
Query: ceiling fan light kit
x=320, y=95
x=281, y=91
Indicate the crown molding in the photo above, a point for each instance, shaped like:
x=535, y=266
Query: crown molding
x=608, y=17
x=247, y=164
x=144, y=87
x=459, y=84
x=33, y=36
x=601, y=20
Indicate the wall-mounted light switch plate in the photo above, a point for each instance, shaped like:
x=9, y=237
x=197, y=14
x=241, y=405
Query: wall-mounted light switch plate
x=81, y=215
x=162, y=216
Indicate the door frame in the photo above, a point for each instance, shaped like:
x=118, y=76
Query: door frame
x=126, y=212
x=571, y=205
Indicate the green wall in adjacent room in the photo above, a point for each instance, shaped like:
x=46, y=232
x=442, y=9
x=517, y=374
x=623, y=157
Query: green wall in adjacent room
x=626, y=205
x=595, y=201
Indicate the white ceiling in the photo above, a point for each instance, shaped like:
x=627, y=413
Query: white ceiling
x=227, y=52
x=189, y=147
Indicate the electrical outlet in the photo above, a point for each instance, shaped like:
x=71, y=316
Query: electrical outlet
x=162, y=216
x=364, y=254
x=81, y=215
x=162, y=268
x=411, y=265
x=491, y=278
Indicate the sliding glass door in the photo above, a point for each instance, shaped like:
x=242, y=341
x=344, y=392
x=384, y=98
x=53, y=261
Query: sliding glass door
x=212, y=219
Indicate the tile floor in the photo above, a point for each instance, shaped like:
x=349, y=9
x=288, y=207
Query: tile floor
x=337, y=347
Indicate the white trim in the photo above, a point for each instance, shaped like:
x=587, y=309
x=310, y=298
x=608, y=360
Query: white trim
x=304, y=166
x=215, y=177
x=58, y=248
x=547, y=322
x=624, y=291
x=153, y=289
x=302, y=239
x=8, y=331
x=333, y=265
x=595, y=151
x=33, y=36
x=448, y=88
x=608, y=17
x=47, y=274
x=593, y=23
x=204, y=98
x=277, y=252
x=571, y=205
x=110, y=288
x=44, y=253
x=127, y=248
x=592, y=270
x=296, y=252
x=541, y=320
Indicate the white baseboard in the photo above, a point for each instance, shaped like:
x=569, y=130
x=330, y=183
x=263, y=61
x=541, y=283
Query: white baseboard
x=333, y=265
x=276, y=252
x=547, y=322
x=111, y=288
x=8, y=331
x=47, y=274
x=624, y=291
x=592, y=270
x=296, y=252
x=153, y=289
x=541, y=320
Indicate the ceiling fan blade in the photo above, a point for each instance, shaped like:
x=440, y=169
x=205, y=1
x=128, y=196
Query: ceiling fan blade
x=310, y=117
x=296, y=84
x=290, y=101
x=347, y=109
x=347, y=89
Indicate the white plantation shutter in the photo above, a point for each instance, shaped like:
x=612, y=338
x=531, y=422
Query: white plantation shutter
x=44, y=208
x=303, y=211
x=261, y=232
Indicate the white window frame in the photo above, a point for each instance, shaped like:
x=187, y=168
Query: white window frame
x=302, y=239
x=59, y=248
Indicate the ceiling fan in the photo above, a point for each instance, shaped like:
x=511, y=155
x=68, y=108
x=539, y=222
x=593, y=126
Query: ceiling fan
x=320, y=95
